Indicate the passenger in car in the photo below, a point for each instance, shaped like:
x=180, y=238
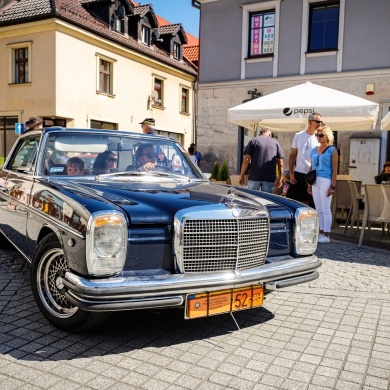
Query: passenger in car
x=176, y=163
x=75, y=166
x=105, y=163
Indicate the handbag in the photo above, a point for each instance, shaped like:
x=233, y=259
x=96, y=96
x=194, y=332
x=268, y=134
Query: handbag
x=310, y=177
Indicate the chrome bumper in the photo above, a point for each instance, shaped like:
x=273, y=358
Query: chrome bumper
x=142, y=290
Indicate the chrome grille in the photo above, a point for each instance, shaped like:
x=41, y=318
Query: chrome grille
x=224, y=245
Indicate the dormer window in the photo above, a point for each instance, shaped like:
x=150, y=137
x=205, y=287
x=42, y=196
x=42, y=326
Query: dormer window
x=119, y=18
x=116, y=24
x=176, y=51
x=145, y=35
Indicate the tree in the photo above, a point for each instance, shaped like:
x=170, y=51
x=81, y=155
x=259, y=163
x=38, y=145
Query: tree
x=215, y=171
x=223, y=174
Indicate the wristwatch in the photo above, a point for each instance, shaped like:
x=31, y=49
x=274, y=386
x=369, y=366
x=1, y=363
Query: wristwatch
x=332, y=187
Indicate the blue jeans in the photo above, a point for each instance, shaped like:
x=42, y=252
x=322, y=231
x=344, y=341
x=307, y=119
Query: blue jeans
x=264, y=186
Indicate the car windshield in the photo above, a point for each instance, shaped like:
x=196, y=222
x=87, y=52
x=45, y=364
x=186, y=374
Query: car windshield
x=82, y=153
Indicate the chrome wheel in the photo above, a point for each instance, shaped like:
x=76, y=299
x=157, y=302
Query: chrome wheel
x=47, y=272
x=50, y=272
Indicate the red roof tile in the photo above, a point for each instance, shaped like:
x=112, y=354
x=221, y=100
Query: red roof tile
x=191, y=53
x=73, y=12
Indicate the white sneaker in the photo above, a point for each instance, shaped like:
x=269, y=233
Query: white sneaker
x=323, y=239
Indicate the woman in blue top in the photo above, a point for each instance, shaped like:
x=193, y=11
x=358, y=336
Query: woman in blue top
x=324, y=159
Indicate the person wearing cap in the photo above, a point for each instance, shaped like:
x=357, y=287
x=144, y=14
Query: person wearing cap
x=147, y=126
x=34, y=123
x=300, y=161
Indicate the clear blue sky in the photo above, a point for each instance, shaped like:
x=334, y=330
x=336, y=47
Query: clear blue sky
x=177, y=11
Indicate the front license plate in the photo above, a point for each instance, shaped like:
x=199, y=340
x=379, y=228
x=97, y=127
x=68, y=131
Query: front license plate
x=208, y=304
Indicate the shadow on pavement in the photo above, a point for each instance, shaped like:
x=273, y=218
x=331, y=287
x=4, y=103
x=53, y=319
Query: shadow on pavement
x=26, y=335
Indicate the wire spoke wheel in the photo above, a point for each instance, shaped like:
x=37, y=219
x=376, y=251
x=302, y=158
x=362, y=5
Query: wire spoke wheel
x=50, y=271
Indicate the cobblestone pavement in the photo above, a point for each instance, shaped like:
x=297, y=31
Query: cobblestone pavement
x=330, y=334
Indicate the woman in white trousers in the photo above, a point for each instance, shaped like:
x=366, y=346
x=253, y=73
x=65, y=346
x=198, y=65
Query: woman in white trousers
x=324, y=159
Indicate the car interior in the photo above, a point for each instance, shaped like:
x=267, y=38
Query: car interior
x=62, y=147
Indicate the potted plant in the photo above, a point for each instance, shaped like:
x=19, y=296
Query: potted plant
x=215, y=171
x=223, y=174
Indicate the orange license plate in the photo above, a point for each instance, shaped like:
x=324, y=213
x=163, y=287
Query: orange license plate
x=209, y=304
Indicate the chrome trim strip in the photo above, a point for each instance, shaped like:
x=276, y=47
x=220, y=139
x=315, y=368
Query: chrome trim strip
x=133, y=286
x=278, y=284
x=134, y=304
x=55, y=222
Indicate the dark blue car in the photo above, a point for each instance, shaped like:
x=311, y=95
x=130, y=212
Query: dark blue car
x=127, y=233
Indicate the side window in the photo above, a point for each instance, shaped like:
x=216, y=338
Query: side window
x=145, y=35
x=20, y=63
x=95, y=124
x=324, y=26
x=158, y=87
x=184, y=103
x=25, y=155
x=105, y=75
x=176, y=51
x=261, y=33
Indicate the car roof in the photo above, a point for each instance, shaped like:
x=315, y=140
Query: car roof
x=101, y=132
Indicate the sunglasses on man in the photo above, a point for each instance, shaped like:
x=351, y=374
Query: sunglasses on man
x=150, y=155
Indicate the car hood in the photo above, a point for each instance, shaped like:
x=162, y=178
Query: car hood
x=146, y=202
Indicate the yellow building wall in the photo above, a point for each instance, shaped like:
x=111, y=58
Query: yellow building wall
x=65, y=81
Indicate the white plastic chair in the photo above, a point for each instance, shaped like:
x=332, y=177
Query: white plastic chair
x=356, y=212
x=342, y=198
x=376, y=208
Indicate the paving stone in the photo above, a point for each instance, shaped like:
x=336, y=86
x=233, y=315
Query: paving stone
x=329, y=334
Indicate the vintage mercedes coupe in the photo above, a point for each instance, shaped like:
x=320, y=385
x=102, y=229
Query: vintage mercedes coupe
x=137, y=238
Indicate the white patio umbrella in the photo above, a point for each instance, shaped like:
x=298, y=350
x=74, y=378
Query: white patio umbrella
x=288, y=109
x=385, y=122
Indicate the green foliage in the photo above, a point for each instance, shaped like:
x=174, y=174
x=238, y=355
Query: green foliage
x=223, y=173
x=215, y=171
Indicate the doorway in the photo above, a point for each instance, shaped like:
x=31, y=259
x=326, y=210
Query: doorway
x=364, y=158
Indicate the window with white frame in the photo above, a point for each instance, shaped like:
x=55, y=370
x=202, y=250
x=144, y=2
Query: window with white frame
x=267, y=34
x=261, y=33
x=105, y=75
x=176, y=51
x=185, y=99
x=145, y=35
x=323, y=26
x=158, y=87
x=20, y=63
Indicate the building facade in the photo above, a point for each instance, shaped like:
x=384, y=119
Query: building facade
x=93, y=64
x=266, y=46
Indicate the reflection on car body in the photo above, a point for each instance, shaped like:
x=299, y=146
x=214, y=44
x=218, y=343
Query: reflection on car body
x=136, y=239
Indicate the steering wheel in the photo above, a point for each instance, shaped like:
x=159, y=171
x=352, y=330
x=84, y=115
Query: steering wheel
x=162, y=168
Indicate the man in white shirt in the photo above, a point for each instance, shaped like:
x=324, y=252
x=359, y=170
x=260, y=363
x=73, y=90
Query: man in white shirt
x=299, y=160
